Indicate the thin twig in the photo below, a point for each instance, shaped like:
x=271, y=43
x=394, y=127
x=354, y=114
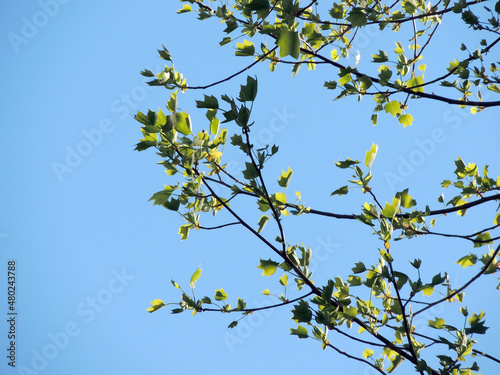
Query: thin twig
x=251, y=310
x=219, y=226
x=356, y=339
x=450, y=296
x=262, y=57
x=356, y=358
x=405, y=320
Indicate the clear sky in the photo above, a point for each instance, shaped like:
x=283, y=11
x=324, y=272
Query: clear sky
x=92, y=253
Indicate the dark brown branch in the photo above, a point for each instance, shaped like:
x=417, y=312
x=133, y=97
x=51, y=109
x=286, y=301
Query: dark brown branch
x=301, y=275
x=357, y=74
x=478, y=352
x=470, y=58
x=399, y=21
x=356, y=358
x=219, y=226
x=464, y=237
x=353, y=217
x=356, y=339
x=235, y=74
x=263, y=307
x=458, y=208
x=227, y=174
x=405, y=319
x=306, y=7
x=266, y=194
x=450, y=296
x=406, y=89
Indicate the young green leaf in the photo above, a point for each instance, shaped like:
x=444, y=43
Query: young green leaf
x=262, y=223
x=359, y=267
x=285, y=177
x=381, y=57
x=406, y=120
x=393, y=107
x=245, y=49
x=346, y=163
x=164, y=54
x=184, y=231
x=220, y=295
x=406, y=199
x=368, y=353
x=210, y=102
x=301, y=332
x=482, y=239
x=302, y=312
x=182, y=122
x=156, y=305
x=370, y=155
x=341, y=191
x=250, y=172
x=390, y=210
x=196, y=276
x=248, y=92
x=289, y=43
x=268, y=267
x=280, y=198
x=357, y=17
x=284, y=280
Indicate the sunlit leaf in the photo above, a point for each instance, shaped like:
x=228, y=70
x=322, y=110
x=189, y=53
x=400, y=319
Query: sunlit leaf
x=196, y=276
x=220, y=295
x=156, y=305
x=301, y=332
x=268, y=267
x=289, y=43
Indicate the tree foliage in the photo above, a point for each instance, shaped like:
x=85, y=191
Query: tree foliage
x=376, y=304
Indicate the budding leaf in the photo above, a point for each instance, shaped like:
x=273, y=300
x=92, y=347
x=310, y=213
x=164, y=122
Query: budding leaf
x=156, y=305
x=196, y=276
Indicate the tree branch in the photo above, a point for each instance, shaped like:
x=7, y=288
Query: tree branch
x=450, y=296
x=219, y=226
x=356, y=358
x=405, y=319
x=261, y=308
x=464, y=237
x=262, y=57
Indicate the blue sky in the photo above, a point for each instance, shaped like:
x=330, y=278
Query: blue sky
x=92, y=252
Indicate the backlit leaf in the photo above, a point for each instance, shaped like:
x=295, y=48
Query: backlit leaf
x=196, y=276
x=370, y=155
x=406, y=120
x=301, y=332
x=262, y=223
x=220, y=295
x=289, y=43
x=268, y=267
x=156, y=305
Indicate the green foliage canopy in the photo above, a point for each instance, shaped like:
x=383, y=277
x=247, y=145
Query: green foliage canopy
x=290, y=32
